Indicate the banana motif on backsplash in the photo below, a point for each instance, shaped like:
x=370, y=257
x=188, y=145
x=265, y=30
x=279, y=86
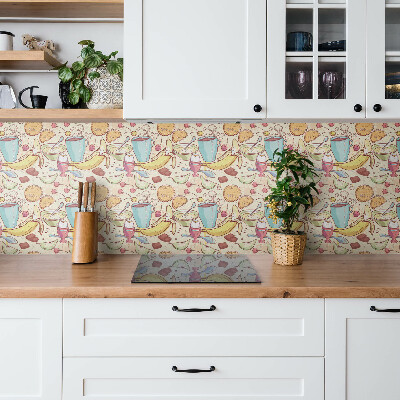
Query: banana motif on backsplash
x=194, y=187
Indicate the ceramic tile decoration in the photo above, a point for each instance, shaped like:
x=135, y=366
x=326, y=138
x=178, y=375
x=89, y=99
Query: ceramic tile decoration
x=195, y=188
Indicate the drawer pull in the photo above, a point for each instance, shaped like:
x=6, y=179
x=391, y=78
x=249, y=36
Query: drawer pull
x=390, y=310
x=175, y=308
x=193, y=371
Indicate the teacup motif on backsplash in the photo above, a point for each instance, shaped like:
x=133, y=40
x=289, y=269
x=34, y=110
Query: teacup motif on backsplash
x=76, y=147
x=195, y=187
x=9, y=147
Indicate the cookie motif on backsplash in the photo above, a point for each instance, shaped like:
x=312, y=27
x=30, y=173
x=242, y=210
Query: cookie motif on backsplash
x=195, y=188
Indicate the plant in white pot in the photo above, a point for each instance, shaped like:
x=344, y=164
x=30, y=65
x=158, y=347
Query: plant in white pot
x=292, y=194
x=96, y=80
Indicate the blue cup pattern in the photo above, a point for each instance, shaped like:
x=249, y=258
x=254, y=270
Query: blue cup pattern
x=142, y=214
x=341, y=214
x=71, y=209
x=9, y=147
x=270, y=220
x=208, y=213
x=208, y=147
x=272, y=144
x=340, y=147
x=76, y=147
x=9, y=213
x=142, y=148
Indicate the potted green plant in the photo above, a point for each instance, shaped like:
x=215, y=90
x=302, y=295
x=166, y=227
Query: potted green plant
x=292, y=194
x=95, y=80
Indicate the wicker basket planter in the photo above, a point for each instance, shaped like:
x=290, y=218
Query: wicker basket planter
x=288, y=249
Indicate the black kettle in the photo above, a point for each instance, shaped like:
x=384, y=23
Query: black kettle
x=38, y=101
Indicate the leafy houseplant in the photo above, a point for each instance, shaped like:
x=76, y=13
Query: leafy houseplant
x=83, y=71
x=293, y=192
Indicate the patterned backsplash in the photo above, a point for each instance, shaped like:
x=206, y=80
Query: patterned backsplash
x=195, y=187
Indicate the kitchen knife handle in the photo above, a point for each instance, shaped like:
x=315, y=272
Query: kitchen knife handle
x=175, y=308
x=85, y=195
x=80, y=193
x=193, y=371
x=389, y=310
x=93, y=196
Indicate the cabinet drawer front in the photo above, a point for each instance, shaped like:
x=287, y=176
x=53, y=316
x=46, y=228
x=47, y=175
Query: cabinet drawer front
x=150, y=327
x=153, y=378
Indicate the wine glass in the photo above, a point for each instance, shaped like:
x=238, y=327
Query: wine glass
x=299, y=84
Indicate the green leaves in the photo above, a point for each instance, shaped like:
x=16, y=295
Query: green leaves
x=77, y=66
x=65, y=74
x=73, y=98
x=295, y=182
x=93, y=61
x=86, y=43
x=84, y=93
x=114, y=67
x=86, y=52
x=93, y=75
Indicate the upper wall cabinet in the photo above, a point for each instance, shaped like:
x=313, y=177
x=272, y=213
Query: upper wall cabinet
x=316, y=58
x=195, y=59
x=383, y=59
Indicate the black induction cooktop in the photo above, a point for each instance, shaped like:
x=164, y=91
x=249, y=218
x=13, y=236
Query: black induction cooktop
x=195, y=268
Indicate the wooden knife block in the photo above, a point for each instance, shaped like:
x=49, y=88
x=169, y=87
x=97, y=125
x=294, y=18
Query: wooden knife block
x=84, y=248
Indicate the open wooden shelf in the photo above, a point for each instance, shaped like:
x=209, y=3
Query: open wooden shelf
x=27, y=60
x=62, y=9
x=56, y=115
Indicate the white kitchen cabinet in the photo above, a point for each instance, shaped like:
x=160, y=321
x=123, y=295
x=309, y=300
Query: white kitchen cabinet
x=153, y=378
x=305, y=79
x=195, y=59
x=233, y=327
x=30, y=349
x=383, y=59
x=362, y=349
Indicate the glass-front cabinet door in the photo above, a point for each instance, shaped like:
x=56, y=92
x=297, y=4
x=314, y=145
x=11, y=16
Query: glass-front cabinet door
x=316, y=59
x=383, y=59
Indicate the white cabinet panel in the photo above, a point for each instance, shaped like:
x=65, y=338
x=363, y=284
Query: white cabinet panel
x=194, y=59
x=30, y=349
x=153, y=378
x=362, y=350
x=237, y=327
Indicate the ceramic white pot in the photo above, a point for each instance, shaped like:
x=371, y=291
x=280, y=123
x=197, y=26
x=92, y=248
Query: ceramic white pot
x=6, y=40
x=106, y=90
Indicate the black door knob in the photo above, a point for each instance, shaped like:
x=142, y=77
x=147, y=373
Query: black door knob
x=377, y=108
x=257, y=108
x=358, y=108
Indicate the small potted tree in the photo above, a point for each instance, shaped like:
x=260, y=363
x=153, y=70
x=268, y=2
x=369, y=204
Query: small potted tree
x=292, y=194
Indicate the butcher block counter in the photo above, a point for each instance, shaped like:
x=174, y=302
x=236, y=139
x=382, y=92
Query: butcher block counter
x=320, y=276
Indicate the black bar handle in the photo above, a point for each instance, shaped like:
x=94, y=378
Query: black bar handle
x=389, y=310
x=176, y=308
x=193, y=371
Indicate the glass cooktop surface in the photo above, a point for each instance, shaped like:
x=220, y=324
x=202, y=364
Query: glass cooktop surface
x=195, y=268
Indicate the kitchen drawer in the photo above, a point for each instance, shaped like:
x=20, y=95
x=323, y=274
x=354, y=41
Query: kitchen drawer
x=152, y=378
x=150, y=327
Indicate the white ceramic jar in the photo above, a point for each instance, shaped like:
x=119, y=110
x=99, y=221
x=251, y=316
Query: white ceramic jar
x=6, y=40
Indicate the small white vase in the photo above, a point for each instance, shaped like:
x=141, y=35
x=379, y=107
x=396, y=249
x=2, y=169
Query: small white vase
x=106, y=90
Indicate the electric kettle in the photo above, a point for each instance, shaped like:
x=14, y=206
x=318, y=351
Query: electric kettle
x=7, y=97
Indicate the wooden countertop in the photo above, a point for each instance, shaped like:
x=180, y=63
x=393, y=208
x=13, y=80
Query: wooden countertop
x=320, y=276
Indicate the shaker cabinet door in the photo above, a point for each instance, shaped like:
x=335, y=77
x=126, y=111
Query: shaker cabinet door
x=195, y=59
x=30, y=349
x=316, y=59
x=383, y=59
x=362, y=349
